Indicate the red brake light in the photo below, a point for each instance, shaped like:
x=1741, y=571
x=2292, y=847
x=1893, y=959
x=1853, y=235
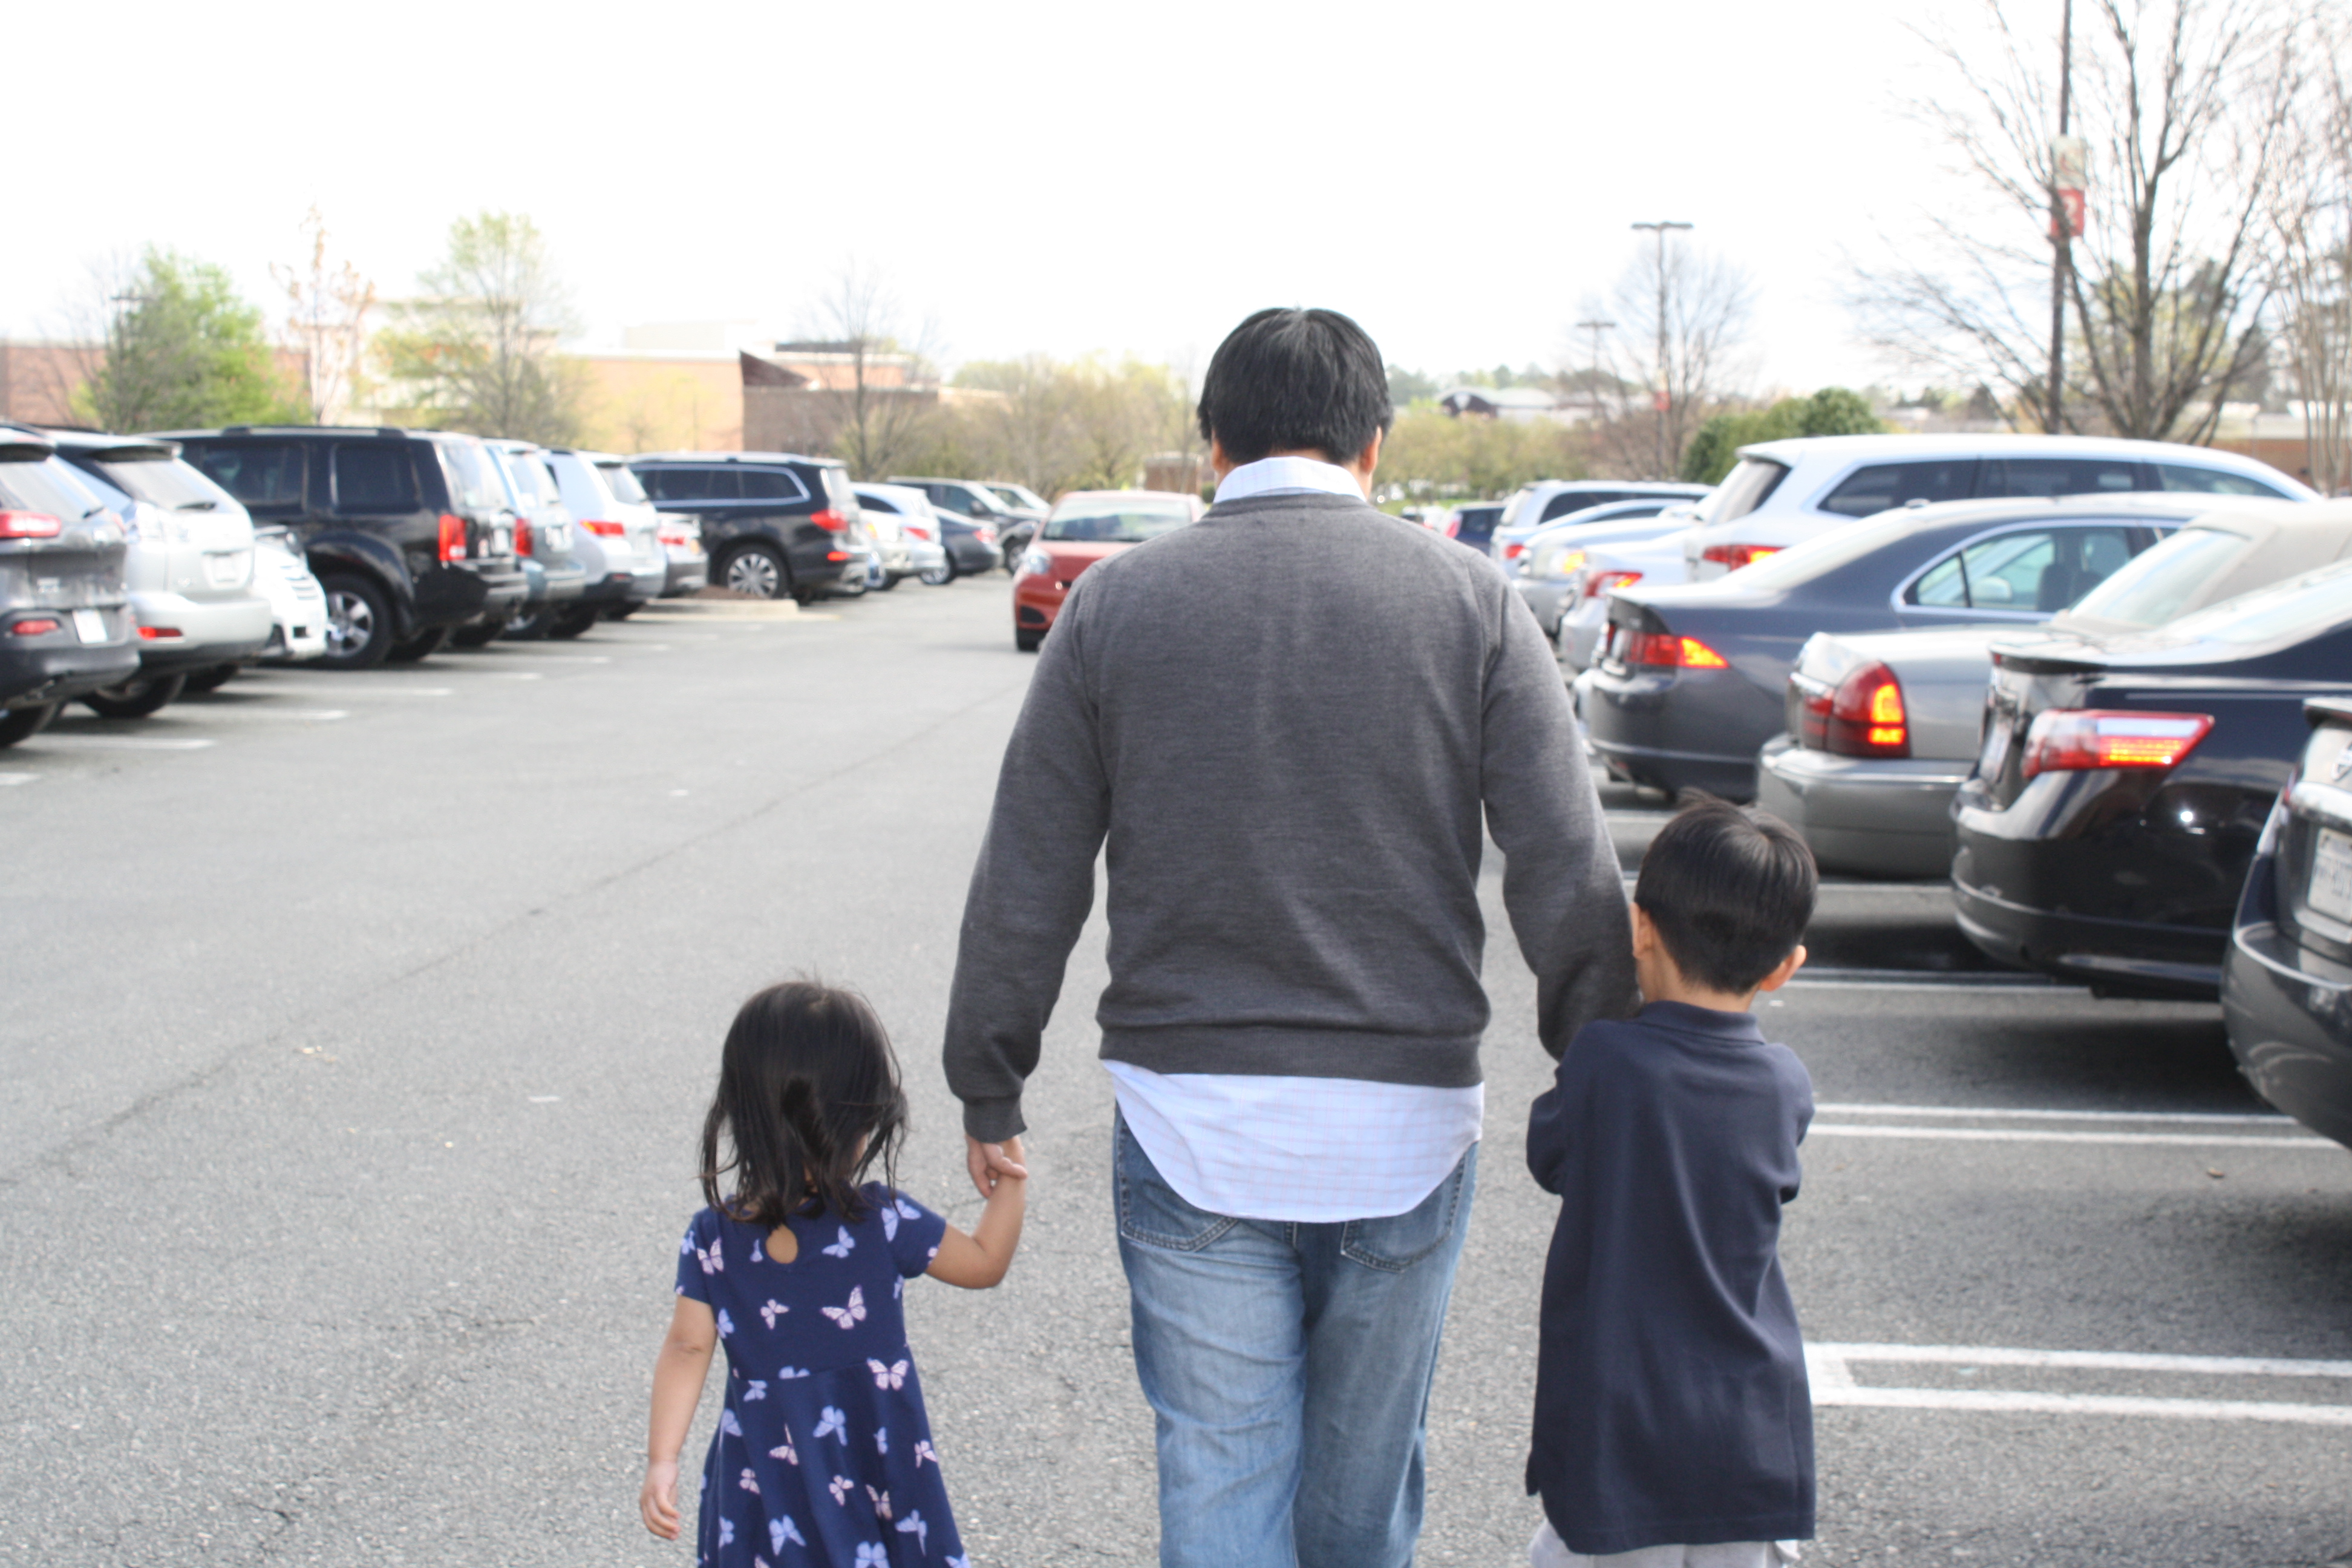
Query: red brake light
x=158, y=634
x=985, y=535
x=522, y=538
x=36, y=627
x=29, y=525
x=2065, y=740
x=1513, y=552
x=836, y=556
x=830, y=520
x=602, y=529
x=1734, y=557
x=452, y=537
x=1665, y=650
x=1864, y=716
x=1599, y=583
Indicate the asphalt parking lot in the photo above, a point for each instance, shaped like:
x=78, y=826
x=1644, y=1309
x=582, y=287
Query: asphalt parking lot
x=359, y=1028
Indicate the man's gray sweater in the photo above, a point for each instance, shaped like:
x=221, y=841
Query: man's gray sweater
x=1285, y=720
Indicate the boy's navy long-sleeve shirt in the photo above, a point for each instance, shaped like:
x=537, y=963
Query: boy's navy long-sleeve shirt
x=1671, y=1402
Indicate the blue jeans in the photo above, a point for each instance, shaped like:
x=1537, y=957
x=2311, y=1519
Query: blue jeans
x=1289, y=1366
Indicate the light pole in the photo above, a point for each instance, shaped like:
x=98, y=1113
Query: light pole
x=2061, y=222
x=1592, y=386
x=1666, y=381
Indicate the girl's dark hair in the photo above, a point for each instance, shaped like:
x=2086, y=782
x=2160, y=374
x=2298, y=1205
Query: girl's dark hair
x=807, y=1074
x=1290, y=379
x=1730, y=889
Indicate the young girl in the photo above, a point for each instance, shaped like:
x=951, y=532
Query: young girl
x=822, y=1454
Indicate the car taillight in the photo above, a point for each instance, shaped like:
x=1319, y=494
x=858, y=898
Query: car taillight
x=1864, y=716
x=2065, y=740
x=985, y=535
x=1667, y=651
x=158, y=634
x=1513, y=552
x=452, y=537
x=29, y=525
x=1600, y=583
x=1732, y=557
x=1453, y=528
x=522, y=538
x=836, y=556
x=602, y=529
x=830, y=520
x=40, y=626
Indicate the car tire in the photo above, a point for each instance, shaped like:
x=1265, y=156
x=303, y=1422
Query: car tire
x=1028, y=641
x=890, y=580
x=622, y=612
x=475, y=633
x=212, y=678
x=423, y=645
x=758, y=570
x=571, y=624
x=136, y=698
x=531, y=627
x=359, y=623
x=938, y=576
x=24, y=723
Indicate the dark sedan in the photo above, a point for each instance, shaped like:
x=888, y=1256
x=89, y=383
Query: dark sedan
x=1692, y=679
x=2124, y=781
x=2286, y=984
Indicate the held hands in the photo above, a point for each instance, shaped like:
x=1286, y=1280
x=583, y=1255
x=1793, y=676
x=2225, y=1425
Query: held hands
x=658, y=1499
x=990, y=1163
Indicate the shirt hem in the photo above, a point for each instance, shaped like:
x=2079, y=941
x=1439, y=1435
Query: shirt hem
x=1246, y=1051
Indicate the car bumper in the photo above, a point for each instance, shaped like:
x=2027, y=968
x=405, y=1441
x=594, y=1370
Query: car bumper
x=2126, y=958
x=2289, y=1013
x=560, y=582
x=1678, y=730
x=1867, y=816
x=1036, y=600
x=53, y=667
x=450, y=596
x=686, y=575
x=614, y=588
x=218, y=631
x=973, y=556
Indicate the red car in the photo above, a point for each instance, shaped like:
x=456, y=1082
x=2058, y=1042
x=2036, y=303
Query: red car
x=1084, y=527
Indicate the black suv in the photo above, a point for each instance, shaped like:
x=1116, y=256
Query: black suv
x=773, y=524
x=407, y=531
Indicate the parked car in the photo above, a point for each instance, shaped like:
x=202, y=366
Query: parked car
x=1545, y=567
x=777, y=526
x=1693, y=678
x=1084, y=527
x=66, y=627
x=1473, y=524
x=189, y=569
x=688, y=564
x=406, y=530
x=1886, y=810
x=2286, y=981
x=1020, y=498
x=2124, y=781
x=1783, y=492
x=617, y=537
x=971, y=547
x=1533, y=506
x=976, y=502
x=911, y=512
x=554, y=576
x=298, y=605
x=1649, y=555
x=894, y=548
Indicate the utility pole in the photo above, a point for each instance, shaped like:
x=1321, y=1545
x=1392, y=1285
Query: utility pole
x=1666, y=380
x=2064, y=152
x=1592, y=386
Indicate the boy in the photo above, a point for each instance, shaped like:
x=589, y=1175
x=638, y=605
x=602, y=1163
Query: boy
x=1673, y=1425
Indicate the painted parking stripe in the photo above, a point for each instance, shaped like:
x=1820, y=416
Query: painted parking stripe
x=345, y=693
x=1830, y=1370
x=2042, y=1135
x=1824, y=978
x=74, y=742
x=271, y=714
x=2012, y=1114
x=6, y=780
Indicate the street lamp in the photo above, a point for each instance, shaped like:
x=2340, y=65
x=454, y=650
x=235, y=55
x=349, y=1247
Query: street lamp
x=1665, y=383
x=1592, y=387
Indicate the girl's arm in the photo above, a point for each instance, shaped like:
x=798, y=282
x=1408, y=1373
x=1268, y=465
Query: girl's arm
x=678, y=1372
x=979, y=1260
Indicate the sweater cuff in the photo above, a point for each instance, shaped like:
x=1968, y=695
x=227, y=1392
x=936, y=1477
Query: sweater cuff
x=993, y=1120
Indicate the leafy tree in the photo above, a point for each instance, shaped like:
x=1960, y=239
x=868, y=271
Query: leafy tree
x=183, y=348
x=1431, y=453
x=1832, y=410
x=478, y=351
x=1407, y=387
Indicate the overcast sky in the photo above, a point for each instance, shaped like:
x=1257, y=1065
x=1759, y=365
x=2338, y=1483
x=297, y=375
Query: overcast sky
x=1060, y=177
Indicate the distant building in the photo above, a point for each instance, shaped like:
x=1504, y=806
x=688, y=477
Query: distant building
x=1505, y=403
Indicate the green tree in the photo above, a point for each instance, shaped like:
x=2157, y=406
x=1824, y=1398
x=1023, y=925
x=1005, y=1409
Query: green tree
x=183, y=348
x=478, y=351
x=1832, y=410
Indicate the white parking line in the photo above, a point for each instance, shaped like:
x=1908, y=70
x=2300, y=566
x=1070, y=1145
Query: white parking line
x=74, y=742
x=2036, y=1135
x=1988, y=1113
x=8, y=779
x=270, y=714
x=1829, y=1368
x=345, y=693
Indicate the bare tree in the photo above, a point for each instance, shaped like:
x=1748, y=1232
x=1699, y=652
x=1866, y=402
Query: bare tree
x=479, y=352
x=2185, y=106
x=327, y=309
x=881, y=413
x=1681, y=315
x=2311, y=223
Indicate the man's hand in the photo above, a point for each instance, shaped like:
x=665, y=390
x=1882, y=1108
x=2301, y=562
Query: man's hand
x=990, y=1165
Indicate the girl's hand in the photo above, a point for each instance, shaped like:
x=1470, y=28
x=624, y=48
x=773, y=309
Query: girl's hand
x=658, y=1499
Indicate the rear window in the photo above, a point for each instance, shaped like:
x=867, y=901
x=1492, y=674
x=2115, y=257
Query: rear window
x=621, y=480
x=1882, y=486
x=1749, y=484
x=377, y=477
x=2151, y=588
x=2031, y=569
x=2290, y=611
x=1567, y=501
x=2057, y=476
x=686, y=484
x=166, y=482
x=1118, y=521
x=1477, y=524
x=771, y=484
x=531, y=480
x=50, y=486
x=2212, y=482
x=259, y=473
x=873, y=502
x=471, y=483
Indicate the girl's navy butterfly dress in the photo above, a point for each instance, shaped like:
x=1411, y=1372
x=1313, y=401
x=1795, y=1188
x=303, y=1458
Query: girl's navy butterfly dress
x=822, y=1454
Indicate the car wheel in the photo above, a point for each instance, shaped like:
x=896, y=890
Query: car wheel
x=473, y=634
x=359, y=623
x=424, y=645
x=571, y=624
x=531, y=629
x=137, y=697
x=938, y=576
x=622, y=612
x=889, y=580
x=24, y=723
x=758, y=571
x=1028, y=641
x=212, y=678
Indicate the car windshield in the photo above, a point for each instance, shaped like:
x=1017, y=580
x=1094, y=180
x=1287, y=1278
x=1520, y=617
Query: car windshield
x=2151, y=589
x=471, y=483
x=1745, y=488
x=1121, y=520
x=167, y=482
x=1020, y=495
x=49, y=485
x=2290, y=611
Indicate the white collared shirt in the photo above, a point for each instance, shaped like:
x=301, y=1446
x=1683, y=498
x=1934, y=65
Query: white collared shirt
x=1306, y=1150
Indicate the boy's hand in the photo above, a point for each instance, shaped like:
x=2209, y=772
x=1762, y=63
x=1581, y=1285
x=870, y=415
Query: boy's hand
x=658, y=1499
x=992, y=1162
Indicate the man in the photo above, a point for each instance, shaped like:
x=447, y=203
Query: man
x=1293, y=722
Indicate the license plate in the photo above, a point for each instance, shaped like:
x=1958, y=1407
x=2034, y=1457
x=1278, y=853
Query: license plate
x=2329, y=890
x=90, y=626
x=225, y=571
x=1996, y=748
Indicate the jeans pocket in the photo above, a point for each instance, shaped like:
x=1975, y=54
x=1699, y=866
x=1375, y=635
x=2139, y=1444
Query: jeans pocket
x=1150, y=1211
x=1397, y=1242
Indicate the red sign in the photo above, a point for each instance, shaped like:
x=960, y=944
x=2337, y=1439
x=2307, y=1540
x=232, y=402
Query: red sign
x=1658, y=401
x=2072, y=202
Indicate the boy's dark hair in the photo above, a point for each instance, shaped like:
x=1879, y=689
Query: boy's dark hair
x=1731, y=892
x=1288, y=380
x=807, y=1072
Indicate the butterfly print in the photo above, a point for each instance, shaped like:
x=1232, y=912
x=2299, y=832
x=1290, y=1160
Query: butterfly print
x=749, y=1483
x=881, y=1439
x=887, y=1376
x=830, y=1423
x=843, y=1247
x=871, y=1555
x=788, y=1454
x=963, y=1562
x=782, y=1530
x=914, y=1525
x=757, y=1390
x=923, y=1451
x=728, y=1424
x=840, y=1486
x=725, y=1325
x=685, y=1243
x=853, y=1314
x=881, y=1502
x=898, y=1289
x=889, y=1222
x=771, y=1311
x=726, y=1532
x=712, y=1261
x=906, y=1209
x=785, y=1372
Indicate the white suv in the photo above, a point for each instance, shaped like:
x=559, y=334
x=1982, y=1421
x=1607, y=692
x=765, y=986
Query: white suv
x=1783, y=492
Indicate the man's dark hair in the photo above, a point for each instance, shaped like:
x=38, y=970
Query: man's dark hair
x=1296, y=380
x=1730, y=890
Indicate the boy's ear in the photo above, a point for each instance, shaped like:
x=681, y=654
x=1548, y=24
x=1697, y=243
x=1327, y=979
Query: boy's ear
x=1787, y=968
x=1645, y=935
